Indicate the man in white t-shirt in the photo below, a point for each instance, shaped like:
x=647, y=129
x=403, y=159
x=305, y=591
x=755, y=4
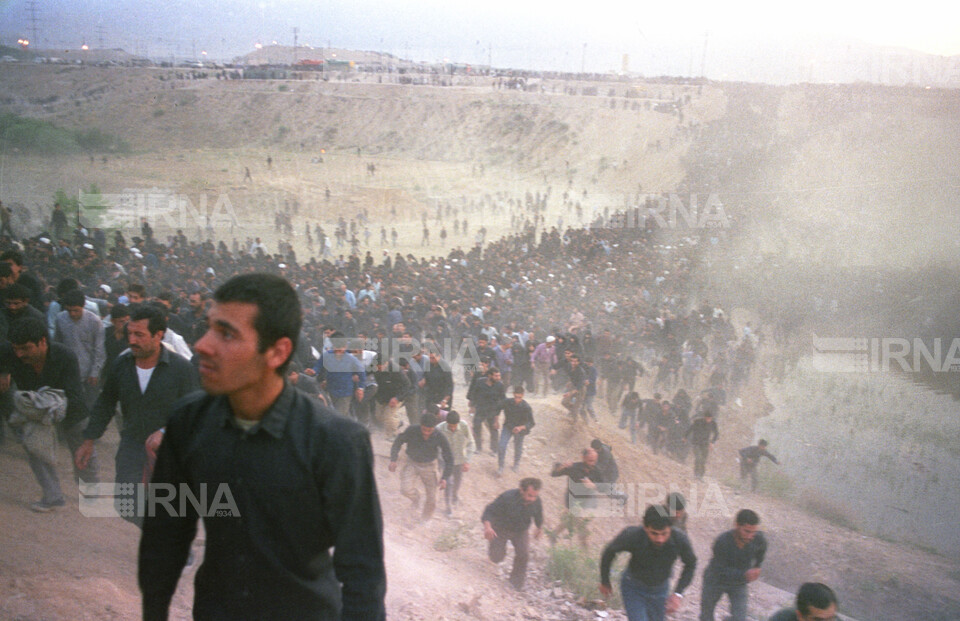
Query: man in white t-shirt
x=146, y=380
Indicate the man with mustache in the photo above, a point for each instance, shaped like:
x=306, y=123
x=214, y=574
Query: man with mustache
x=146, y=380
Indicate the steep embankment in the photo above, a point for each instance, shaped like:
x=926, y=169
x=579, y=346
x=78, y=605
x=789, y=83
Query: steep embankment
x=614, y=133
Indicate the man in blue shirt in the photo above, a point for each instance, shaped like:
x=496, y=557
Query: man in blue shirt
x=343, y=372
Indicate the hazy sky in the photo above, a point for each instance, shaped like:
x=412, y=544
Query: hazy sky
x=665, y=35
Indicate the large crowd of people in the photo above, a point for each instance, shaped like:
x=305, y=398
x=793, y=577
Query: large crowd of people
x=580, y=313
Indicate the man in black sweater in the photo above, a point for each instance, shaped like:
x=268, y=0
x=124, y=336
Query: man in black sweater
x=653, y=549
x=423, y=448
x=486, y=398
x=508, y=518
x=750, y=459
x=737, y=556
x=517, y=423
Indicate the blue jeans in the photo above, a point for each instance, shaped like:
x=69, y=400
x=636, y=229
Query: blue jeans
x=517, y=447
x=643, y=603
x=712, y=592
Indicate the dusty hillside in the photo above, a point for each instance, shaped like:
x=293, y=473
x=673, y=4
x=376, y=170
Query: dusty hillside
x=439, y=571
x=548, y=132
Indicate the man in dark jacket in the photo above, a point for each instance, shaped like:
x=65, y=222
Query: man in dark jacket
x=423, y=448
x=508, y=518
x=486, y=399
x=702, y=434
x=393, y=386
x=737, y=556
x=517, y=423
x=145, y=382
x=750, y=459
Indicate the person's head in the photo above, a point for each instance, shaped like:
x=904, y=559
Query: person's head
x=589, y=456
x=574, y=361
x=657, y=524
x=518, y=393
x=136, y=293
x=15, y=259
x=195, y=300
x=657, y=396
x=18, y=297
x=762, y=444
x=29, y=339
x=119, y=316
x=428, y=422
x=7, y=277
x=816, y=602
x=746, y=525
x=453, y=420
x=252, y=332
x=145, y=331
x=676, y=504
x=493, y=375
x=165, y=298
x=72, y=301
x=530, y=489
x=339, y=341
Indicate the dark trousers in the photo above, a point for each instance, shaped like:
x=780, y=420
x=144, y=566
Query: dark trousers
x=521, y=554
x=712, y=592
x=700, y=452
x=478, y=422
x=130, y=461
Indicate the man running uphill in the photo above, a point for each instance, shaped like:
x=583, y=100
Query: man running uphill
x=645, y=583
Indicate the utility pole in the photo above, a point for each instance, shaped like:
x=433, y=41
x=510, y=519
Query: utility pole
x=703, y=59
x=100, y=36
x=294, y=45
x=34, y=21
x=583, y=59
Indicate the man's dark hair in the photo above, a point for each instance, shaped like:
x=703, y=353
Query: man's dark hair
x=156, y=321
x=12, y=255
x=675, y=502
x=28, y=330
x=815, y=595
x=278, y=308
x=166, y=296
x=428, y=420
x=5, y=269
x=73, y=297
x=137, y=288
x=760, y=443
x=119, y=311
x=657, y=517
x=747, y=516
x=16, y=291
x=518, y=390
x=491, y=371
x=533, y=482
x=67, y=284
